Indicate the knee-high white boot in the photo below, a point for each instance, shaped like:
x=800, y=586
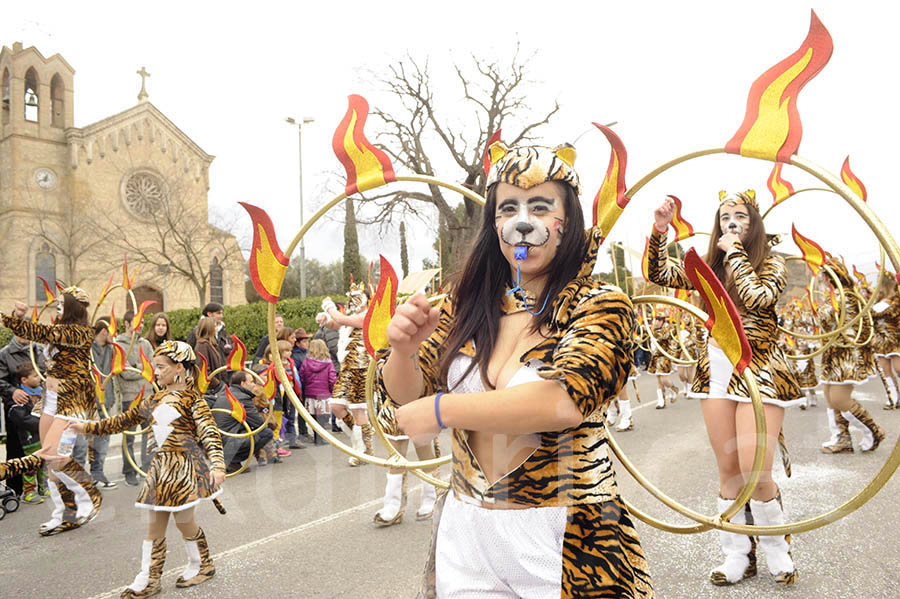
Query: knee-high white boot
x=429, y=496
x=612, y=414
x=356, y=439
x=660, y=399
x=146, y=583
x=56, y=516
x=739, y=550
x=625, y=421
x=82, y=500
x=892, y=393
x=392, y=510
x=777, y=549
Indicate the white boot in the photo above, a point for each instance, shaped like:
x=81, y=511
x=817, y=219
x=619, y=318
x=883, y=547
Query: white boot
x=612, y=414
x=660, y=399
x=56, y=516
x=625, y=421
x=143, y=577
x=868, y=440
x=833, y=427
x=813, y=398
x=391, y=512
x=892, y=394
x=357, y=443
x=194, y=559
x=429, y=496
x=739, y=550
x=83, y=501
x=777, y=549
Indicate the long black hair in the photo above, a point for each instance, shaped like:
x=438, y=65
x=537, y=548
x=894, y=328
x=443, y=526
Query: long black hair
x=478, y=291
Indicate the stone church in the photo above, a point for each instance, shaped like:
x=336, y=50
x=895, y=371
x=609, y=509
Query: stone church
x=76, y=201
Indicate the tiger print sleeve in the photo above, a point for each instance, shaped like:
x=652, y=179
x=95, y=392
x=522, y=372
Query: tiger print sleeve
x=207, y=433
x=59, y=335
x=760, y=290
x=660, y=270
x=124, y=421
x=593, y=356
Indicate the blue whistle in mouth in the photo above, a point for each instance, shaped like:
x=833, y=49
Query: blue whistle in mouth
x=521, y=252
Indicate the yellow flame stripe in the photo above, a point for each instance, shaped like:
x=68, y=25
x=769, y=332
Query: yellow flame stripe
x=369, y=172
x=269, y=269
x=723, y=330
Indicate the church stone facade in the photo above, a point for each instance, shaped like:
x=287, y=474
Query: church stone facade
x=76, y=201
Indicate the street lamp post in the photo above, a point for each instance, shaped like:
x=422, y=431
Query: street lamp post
x=306, y=121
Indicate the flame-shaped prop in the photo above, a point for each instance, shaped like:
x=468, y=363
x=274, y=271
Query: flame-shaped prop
x=645, y=260
x=487, y=156
x=137, y=399
x=126, y=282
x=118, y=359
x=683, y=294
x=105, y=291
x=60, y=286
x=48, y=290
x=863, y=282
x=789, y=340
x=683, y=229
x=781, y=189
x=813, y=254
x=834, y=303
x=113, y=325
x=34, y=313
x=139, y=316
x=237, y=409
x=146, y=367
x=812, y=303
x=724, y=323
x=771, y=129
x=381, y=309
x=203, y=378
x=271, y=386
x=367, y=166
x=238, y=354
x=852, y=181
x=98, y=385
x=267, y=262
x=610, y=200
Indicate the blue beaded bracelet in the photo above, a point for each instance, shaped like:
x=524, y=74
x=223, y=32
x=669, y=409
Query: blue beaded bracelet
x=437, y=409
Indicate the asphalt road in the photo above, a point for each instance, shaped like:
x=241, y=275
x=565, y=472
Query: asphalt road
x=304, y=528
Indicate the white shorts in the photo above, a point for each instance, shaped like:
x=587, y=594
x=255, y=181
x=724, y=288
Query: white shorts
x=483, y=553
x=720, y=371
x=320, y=405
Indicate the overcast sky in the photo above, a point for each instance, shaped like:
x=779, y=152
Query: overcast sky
x=675, y=76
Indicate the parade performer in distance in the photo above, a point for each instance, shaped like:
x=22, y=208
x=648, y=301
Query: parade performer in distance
x=521, y=360
x=69, y=396
x=187, y=467
x=739, y=254
x=886, y=342
x=844, y=367
x=348, y=401
x=660, y=365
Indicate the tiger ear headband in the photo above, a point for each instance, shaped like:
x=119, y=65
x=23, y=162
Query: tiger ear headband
x=527, y=166
x=742, y=197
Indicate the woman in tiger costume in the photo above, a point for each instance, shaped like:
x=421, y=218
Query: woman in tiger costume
x=886, y=342
x=660, y=365
x=843, y=367
x=755, y=279
x=348, y=400
x=521, y=360
x=69, y=396
x=187, y=467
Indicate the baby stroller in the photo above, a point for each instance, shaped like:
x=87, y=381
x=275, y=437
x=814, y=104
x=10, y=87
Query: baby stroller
x=9, y=502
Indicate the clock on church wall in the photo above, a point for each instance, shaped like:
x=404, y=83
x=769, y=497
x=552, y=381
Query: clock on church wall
x=45, y=178
x=144, y=193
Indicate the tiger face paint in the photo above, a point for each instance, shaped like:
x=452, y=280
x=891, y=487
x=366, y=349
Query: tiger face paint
x=734, y=218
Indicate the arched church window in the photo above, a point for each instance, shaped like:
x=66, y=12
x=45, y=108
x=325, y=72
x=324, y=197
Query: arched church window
x=57, y=97
x=44, y=266
x=4, y=93
x=216, y=282
x=31, y=95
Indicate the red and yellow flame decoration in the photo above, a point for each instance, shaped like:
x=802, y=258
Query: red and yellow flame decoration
x=118, y=359
x=238, y=354
x=146, y=367
x=486, y=159
x=771, y=129
x=34, y=314
x=105, y=291
x=271, y=386
x=367, y=166
x=863, y=282
x=48, y=290
x=834, y=303
x=237, y=408
x=203, y=380
x=381, y=309
x=852, y=181
x=813, y=254
x=812, y=303
x=789, y=340
x=126, y=282
x=139, y=315
x=98, y=384
x=137, y=399
x=683, y=294
x=113, y=324
x=610, y=200
x=781, y=189
x=683, y=229
x=645, y=260
x=267, y=262
x=724, y=323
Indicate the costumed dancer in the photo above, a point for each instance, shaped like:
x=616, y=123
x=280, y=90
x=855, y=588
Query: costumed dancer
x=739, y=254
x=348, y=401
x=69, y=396
x=660, y=365
x=619, y=413
x=886, y=342
x=187, y=467
x=806, y=375
x=693, y=338
x=842, y=369
x=520, y=361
